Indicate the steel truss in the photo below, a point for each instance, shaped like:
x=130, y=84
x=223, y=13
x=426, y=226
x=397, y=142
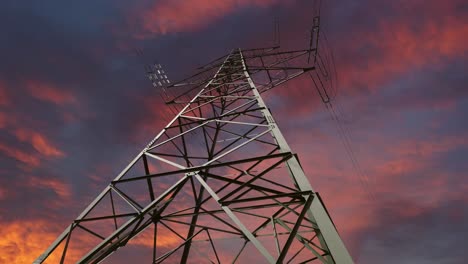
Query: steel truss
x=218, y=184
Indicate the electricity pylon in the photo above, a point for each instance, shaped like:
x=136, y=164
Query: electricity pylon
x=219, y=184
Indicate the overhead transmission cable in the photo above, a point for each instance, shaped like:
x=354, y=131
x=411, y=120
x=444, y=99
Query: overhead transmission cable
x=336, y=112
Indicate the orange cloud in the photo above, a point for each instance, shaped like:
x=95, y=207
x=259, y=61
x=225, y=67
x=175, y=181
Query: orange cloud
x=49, y=93
x=39, y=142
x=21, y=242
x=164, y=240
x=24, y=240
x=170, y=16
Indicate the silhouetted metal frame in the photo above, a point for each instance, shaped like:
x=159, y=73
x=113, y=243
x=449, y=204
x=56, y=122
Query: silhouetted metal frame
x=234, y=88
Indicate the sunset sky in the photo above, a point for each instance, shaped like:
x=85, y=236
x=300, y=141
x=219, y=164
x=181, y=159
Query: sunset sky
x=76, y=106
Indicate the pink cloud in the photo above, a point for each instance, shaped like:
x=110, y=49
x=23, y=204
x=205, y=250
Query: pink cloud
x=49, y=93
x=430, y=147
x=400, y=44
x=62, y=189
x=169, y=16
x=39, y=143
x=24, y=157
x=3, y=120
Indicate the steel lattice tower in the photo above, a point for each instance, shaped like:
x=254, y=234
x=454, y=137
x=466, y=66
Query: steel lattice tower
x=219, y=184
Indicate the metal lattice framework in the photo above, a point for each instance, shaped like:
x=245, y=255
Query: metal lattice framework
x=219, y=184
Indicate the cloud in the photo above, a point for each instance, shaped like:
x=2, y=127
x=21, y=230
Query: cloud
x=171, y=16
x=404, y=40
x=19, y=155
x=21, y=241
x=429, y=147
x=418, y=35
x=39, y=142
x=410, y=229
x=3, y=120
x=60, y=188
x=49, y=93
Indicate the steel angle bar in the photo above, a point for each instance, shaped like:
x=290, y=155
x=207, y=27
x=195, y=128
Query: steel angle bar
x=163, y=257
x=193, y=117
x=303, y=52
x=298, y=195
x=234, y=138
x=213, y=246
x=253, y=101
x=300, y=250
x=266, y=49
x=257, y=187
x=242, y=137
x=178, y=212
x=274, y=183
x=64, y=253
x=241, y=123
x=165, y=160
x=251, y=207
x=176, y=136
x=256, y=177
x=211, y=80
x=236, y=220
x=213, y=214
x=108, y=188
x=172, y=121
x=204, y=167
x=127, y=199
x=276, y=236
x=217, y=117
x=280, y=68
x=237, y=147
x=293, y=234
x=249, y=213
x=228, y=96
x=293, y=210
x=237, y=90
x=127, y=224
x=281, y=60
x=304, y=242
x=90, y=231
x=303, y=225
x=283, y=233
x=240, y=251
x=273, y=85
x=171, y=229
x=199, y=106
x=201, y=226
x=105, y=217
x=181, y=112
x=176, y=156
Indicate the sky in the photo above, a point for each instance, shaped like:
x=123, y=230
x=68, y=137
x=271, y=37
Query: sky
x=75, y=107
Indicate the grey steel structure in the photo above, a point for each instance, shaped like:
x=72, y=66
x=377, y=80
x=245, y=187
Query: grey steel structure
x=219, y=184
